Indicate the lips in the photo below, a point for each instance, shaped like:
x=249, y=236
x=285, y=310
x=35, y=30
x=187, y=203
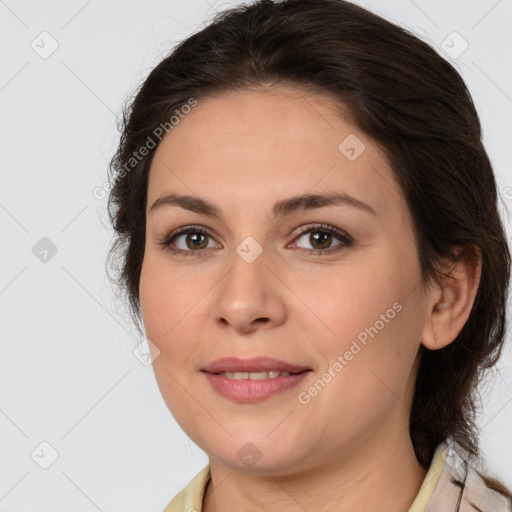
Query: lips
x=255, y=364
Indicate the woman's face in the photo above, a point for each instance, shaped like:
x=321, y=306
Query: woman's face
x=341, y=299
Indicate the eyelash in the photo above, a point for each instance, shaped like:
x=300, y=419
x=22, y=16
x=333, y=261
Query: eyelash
x=346, y=240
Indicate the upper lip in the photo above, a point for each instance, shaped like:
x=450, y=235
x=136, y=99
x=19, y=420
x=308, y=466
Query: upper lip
x=254, y=364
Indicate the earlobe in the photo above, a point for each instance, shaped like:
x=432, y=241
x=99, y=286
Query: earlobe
x=451, y=305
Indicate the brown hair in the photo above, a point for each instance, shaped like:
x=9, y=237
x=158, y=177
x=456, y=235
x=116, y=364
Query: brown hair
x=404, y=96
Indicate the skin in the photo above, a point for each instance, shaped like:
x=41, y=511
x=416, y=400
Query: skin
x=348, y=448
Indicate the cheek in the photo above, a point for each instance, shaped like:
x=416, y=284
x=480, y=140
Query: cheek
x=371, y=343
x=351, y=302
x=160, y=310
x=173, y=311
x=164, y=311
x=163, y=299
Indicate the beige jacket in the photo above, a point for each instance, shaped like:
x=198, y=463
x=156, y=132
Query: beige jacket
x=461, y=489
x=451, y=485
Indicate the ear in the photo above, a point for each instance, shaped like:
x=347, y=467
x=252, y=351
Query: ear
x=449, y=306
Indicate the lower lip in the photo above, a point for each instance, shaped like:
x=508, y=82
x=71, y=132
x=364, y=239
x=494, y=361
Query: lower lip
x=250, y=391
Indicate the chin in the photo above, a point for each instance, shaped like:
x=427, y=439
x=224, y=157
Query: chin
x=258, y=454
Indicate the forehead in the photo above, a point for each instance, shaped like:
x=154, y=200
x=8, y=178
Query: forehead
x=266, y=143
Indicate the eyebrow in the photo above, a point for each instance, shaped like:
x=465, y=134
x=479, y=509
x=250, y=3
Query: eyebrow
x=280, y=209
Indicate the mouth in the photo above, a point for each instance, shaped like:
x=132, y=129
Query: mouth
x=254, y=365
x=253, y=380
x=272, y=374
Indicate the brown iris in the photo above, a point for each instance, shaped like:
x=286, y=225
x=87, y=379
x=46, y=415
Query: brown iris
x=320, y=237
x=199, y=240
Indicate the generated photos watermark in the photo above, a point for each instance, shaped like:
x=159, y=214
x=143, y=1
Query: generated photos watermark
x=304, y=397
x=150, y=143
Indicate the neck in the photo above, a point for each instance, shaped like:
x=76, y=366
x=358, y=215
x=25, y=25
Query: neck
x=374, y=476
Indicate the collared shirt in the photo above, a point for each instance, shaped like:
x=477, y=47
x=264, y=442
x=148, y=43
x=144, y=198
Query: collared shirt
x=450, y=485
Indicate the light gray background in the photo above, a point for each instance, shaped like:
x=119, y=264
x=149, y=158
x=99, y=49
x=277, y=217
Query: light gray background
x=68, y=373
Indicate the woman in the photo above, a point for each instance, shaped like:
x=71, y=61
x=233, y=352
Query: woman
x=280, y=133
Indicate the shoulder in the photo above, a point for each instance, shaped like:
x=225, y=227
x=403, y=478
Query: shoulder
x=190, y=498
x=479, y=493
x=462, y=488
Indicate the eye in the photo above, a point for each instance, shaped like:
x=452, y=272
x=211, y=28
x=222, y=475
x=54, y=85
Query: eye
x=321, y=236
x=192, y=240
x=189, y=240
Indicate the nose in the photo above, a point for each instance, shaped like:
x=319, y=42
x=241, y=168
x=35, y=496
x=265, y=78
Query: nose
x=250, y=296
